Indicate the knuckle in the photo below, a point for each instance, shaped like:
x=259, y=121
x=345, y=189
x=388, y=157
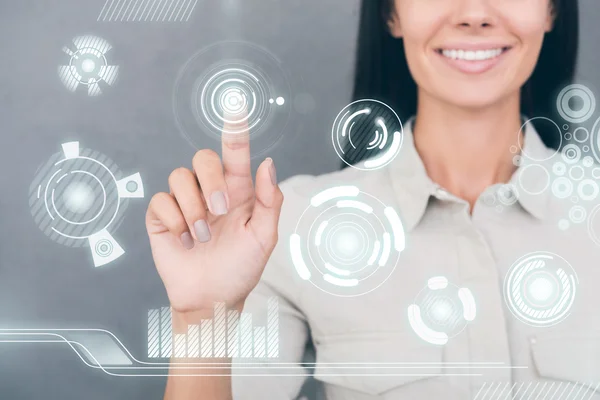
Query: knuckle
x=205, y=155
x=158, y=199
x=178, y=175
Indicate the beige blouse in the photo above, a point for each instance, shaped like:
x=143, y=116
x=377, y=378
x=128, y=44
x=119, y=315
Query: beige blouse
x=527, y=256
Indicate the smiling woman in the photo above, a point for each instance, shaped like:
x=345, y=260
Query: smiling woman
x=382, y=67
x=429, y=275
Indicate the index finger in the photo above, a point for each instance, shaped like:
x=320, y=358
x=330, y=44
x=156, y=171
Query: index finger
x=235, y=145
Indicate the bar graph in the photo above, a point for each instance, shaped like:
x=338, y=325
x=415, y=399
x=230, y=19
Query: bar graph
x=228, y=334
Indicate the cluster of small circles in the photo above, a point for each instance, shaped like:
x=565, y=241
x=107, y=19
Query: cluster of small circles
x=279, y=101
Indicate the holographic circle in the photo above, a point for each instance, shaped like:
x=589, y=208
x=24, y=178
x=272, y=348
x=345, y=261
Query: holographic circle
x=568, y=136
x=346, y=242
x=507, y=194
x=581, y=135
x=574, y=199
x=233, y=88
x=565, y=109
x=588, y=161
x=562, y=187
x=566, y=127
x=559, y=168
x=441, y=310
x=594, y=225
x=595, y=140
x=576, y=172
x=577, y=214
x=571, y=154
x=88, y=65
x=517, y=160
x=530, y=182
x=104, y=248
x=521, y=134
x=540, y=289
x=73, y=198
x=367, y=130
x=588, y=190
x=77, y=195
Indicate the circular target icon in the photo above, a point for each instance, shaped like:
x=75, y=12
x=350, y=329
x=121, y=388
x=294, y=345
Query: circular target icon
x=367, y=127
x=352, y=242
x=232, y=88
x=77, y=195
x=87, y=65
x=441, y=310
x=540, y=289
x=580, y=94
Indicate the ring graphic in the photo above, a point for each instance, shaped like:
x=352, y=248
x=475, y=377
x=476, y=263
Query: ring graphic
x=441, y=310
x=352, y=242
x=77, y=195
x=563, y=103
x=233, y=88
x=367, y=127
x=88, y=65
x=540, y=289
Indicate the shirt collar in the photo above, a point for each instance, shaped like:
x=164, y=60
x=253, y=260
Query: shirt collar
x=413, y=187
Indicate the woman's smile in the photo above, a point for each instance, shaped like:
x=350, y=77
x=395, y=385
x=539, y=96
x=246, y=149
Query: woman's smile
x=473, y=59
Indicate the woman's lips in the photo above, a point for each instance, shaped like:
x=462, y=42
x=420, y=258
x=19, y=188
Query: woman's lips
x=474, y=66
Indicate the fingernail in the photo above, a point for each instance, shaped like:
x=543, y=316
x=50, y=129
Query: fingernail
x=202, y=231
x=272, y=172
x=218, y=203
x=187, y=240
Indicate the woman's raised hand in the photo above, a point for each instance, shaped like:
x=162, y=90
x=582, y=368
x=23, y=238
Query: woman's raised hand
x=212, y=235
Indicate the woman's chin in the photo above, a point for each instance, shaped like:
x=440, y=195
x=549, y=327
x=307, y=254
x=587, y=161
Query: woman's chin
x=474, y=99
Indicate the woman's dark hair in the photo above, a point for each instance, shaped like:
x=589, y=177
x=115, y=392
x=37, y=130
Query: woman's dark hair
x=381, y=70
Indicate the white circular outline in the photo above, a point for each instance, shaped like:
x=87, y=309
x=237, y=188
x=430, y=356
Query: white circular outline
x=587, y=133
x=570, y=91
x=578, y=167
x=573, y=210
x=591, y=232
x=566, y=159
x=586, y=182
x=520, y=176
x=392, y=267
x=508, y=299
x=334, y=135
x=521, y=146
x=116, y=207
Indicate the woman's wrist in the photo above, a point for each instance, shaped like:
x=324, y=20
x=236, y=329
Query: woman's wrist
x=182, y=319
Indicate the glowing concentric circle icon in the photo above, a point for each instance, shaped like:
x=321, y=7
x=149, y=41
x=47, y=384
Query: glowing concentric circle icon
x=88, y=65
x=441, y=311
x=540, y=288
x=77, y=195
x=566, y=110
x=232, y=88
x=352, y=242
x=367, y=127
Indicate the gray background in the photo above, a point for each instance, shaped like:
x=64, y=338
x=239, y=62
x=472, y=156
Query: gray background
x=43, y=284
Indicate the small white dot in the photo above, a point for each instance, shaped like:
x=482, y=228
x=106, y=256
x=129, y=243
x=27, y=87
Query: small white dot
x=280, y=101
x=271, y=101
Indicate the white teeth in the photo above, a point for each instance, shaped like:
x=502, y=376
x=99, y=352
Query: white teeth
x=471, y=55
